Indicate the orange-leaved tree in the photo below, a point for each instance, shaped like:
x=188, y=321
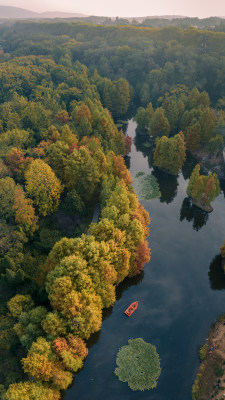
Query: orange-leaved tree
x=24, y=212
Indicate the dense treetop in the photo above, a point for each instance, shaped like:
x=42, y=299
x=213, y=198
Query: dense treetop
x=160, y=58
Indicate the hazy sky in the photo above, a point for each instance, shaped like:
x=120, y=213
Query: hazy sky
x=200, y=8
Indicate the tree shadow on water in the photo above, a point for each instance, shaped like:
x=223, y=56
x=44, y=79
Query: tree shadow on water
x=193, y=213
x=123, y=286
x=167, y=185
x=216, y=274
x=188, y=166
x=127, y=160
x=140, y=142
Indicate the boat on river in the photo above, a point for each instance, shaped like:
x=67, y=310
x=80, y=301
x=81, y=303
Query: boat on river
x=129, y=311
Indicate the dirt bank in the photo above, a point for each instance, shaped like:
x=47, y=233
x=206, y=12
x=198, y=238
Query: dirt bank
x=211, y=383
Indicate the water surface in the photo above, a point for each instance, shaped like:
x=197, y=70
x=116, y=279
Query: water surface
x=180, y=293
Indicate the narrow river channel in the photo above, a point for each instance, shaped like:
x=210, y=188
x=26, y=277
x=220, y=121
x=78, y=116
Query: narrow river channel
x=181, y=292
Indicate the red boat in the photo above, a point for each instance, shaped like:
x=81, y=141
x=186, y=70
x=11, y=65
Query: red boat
x=129, y=311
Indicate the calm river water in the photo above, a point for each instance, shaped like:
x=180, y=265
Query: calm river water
x=180, y=293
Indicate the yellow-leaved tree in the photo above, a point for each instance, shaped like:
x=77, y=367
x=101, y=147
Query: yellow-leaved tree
x=43, y=187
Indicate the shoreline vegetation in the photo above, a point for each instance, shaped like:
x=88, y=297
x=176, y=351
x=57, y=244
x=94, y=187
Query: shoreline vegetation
x=210, y=378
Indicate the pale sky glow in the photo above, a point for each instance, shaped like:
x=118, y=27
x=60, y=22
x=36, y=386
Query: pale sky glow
x=123, y=8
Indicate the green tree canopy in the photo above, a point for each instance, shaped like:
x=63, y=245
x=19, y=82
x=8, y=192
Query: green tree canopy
x=170, y=153
x=7, y=190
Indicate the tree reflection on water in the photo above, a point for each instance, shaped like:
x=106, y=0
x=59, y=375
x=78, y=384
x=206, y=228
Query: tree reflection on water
x=193, y=213
x=188, y=166
x=167, y=185
x=216, y=274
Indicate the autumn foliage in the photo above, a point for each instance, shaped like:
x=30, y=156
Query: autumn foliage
x=73, y=344
x=203, y=188
x=43, y=187
x=59, y=157
x=120, y=170
x=31, y=390
x=62, y=116
x=15, y=160
x=83, y=112
x=128, y=143
x=24, y=212
x=143, y=256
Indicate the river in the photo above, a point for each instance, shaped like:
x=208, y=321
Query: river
x=180, y=293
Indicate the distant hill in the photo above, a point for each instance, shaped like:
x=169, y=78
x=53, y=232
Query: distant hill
x=15, y=12
x=7, y=12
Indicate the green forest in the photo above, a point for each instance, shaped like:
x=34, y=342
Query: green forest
x=64, y=86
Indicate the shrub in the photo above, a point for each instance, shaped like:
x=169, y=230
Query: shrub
x=203, y=351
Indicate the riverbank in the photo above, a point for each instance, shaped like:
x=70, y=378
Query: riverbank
x=210, y=379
